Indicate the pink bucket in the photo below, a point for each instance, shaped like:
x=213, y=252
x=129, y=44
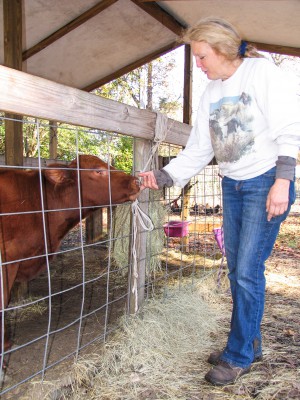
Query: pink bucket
x=219, y=236
x=177, y=228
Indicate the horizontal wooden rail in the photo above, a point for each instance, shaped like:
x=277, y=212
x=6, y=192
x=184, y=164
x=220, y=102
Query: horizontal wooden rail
x=25, y=94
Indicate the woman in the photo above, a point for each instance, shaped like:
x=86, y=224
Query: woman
x=248, y=118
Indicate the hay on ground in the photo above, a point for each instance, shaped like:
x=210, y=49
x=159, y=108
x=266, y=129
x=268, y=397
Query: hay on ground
x=161, y=354
x=155, y=239
x=156, y=354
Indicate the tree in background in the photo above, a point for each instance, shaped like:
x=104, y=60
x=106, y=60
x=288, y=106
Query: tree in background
x=147, y=87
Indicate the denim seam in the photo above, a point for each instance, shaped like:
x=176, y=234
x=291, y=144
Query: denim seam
x=260, y=263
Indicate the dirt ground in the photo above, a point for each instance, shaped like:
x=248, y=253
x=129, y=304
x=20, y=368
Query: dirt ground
x=281, y=332
x=277, y=376
x=45, y=333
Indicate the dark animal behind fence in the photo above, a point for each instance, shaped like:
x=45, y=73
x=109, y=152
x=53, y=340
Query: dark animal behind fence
x=23, y=224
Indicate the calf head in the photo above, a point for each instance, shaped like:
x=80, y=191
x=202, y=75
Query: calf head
x=100, y=184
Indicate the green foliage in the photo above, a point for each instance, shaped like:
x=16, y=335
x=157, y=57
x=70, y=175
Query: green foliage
x=72, y=140
x=123, y=150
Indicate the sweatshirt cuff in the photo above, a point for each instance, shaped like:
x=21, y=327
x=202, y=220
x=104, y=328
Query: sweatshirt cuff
x=285, y=168
x=163, y=178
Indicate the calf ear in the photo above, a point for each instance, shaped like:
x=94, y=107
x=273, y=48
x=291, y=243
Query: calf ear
x=59, y=174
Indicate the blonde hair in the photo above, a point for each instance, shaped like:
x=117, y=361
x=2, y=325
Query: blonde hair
x=221, y=36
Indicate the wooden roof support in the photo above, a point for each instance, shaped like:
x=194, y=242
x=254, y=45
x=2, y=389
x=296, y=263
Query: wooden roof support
x=161, y=16
x=187, y=119
x=275, y=48
x=81, y=19
x=187, y=86
x=12, y=16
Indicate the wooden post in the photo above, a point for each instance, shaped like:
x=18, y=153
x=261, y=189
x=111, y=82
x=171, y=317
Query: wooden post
x=53, y=140
x=187, y=88
x=141, y=154
x=94, y=226
x=187, y=118
x=12, y=16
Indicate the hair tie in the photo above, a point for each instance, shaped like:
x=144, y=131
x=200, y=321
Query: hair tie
x=243, y=48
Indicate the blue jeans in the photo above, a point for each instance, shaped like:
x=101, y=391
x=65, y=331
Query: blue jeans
x=249, y=239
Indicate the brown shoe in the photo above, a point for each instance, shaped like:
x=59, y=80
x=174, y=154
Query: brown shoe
x=214, y=357
x=225, y=374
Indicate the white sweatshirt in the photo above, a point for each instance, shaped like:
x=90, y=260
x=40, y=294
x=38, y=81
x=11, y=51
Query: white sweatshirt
x=246, y=121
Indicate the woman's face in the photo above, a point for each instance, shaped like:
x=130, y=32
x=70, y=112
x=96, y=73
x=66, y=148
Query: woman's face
x=213, y=64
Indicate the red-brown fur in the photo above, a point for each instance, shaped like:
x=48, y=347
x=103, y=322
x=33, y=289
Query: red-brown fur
x=22, y=235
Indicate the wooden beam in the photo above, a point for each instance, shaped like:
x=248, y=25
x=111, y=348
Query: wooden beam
x=81, y=19
x=31, y=95
x=130, y=67
x=161, y=16
x=187, y=118
x=12, y=15
x=12, y=18
x=276, y=48
x=171, y=23
x=187, y=87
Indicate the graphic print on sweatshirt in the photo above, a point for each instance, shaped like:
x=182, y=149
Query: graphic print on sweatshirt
x=231, y=128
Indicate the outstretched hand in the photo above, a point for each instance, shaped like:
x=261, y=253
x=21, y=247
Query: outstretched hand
x=148, y=180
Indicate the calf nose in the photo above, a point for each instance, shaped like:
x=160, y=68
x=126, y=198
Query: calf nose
x=138, y=182
x=135, y=188
x=134, y=183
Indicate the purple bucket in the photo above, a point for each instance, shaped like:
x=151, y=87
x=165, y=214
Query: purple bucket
x=177, y=228
x=219, y=236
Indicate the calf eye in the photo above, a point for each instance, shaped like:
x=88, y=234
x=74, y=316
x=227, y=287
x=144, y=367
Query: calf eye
x=101, y=171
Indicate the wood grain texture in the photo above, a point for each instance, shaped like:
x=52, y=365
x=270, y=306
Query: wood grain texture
x=25, y=94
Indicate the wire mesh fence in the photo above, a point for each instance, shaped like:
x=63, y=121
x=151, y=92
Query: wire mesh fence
x=85, y=283
x=86, y=286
